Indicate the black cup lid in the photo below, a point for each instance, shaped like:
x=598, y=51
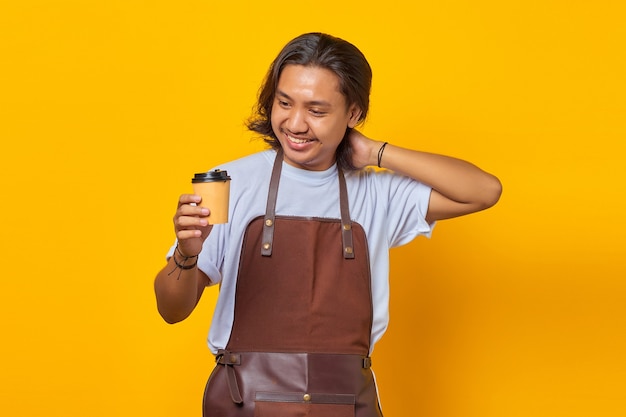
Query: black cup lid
x=211, y=176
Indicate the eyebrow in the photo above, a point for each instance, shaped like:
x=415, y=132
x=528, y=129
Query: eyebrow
x=320, y=103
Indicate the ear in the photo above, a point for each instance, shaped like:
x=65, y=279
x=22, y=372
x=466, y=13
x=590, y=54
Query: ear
x=355, y=115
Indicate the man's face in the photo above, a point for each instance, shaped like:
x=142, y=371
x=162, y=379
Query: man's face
x=310, y=116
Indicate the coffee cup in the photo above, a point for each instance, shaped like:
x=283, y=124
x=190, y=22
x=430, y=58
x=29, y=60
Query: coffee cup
x=214, y=188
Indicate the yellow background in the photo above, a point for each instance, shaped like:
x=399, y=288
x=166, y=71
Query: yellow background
x=108, y=107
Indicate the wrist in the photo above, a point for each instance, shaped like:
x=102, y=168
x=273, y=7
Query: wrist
x=183, y=262
x=183, y=255
x=379, y=155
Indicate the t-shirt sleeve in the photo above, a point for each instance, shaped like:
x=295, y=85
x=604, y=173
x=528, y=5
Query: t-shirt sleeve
x=211, y=259
x=407, y=208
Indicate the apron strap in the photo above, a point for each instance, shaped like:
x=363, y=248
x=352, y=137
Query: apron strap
x=270, y=211
x=229, y=360
x=346, y=223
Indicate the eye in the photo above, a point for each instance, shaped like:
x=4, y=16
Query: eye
x=282, y=103
x=316, y=112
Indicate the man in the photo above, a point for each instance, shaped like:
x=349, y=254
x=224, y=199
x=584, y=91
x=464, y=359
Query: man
x=303, y=262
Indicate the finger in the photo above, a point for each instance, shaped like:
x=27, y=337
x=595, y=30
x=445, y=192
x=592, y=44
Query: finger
x=186, y=222
x=189, y=210
x=188, y=199
x=188, y=234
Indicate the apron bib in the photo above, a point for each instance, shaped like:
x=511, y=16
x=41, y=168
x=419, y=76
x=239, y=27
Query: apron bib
x=303, y=314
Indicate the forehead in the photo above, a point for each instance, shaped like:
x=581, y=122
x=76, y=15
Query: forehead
x=310, y=83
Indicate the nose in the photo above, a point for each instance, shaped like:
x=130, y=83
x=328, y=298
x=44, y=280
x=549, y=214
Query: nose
x=296, y=121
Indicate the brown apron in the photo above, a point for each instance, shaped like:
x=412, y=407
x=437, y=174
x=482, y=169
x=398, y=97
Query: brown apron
x=303, y=314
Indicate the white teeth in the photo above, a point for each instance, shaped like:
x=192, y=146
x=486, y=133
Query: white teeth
x=294, y=140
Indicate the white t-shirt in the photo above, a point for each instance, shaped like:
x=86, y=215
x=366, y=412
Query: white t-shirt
x=391, y=209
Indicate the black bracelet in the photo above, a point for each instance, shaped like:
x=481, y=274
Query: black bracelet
x=380, y=153
x=183, y=265
x=185, y=257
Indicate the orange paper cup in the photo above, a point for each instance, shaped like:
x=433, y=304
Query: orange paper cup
x=214, y=188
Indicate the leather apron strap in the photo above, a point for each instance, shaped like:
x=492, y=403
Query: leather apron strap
x=270, y=211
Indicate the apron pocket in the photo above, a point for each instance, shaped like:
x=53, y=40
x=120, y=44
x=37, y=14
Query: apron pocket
x=293, y=404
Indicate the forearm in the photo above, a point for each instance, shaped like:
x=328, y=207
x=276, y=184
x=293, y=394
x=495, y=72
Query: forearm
x=178, y=287
x=455, y=179
x=178, y=291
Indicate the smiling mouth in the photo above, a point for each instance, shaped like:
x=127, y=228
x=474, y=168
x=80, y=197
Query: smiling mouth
x=298, y=140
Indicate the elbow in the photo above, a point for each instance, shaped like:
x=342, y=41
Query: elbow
x=492, y=192
x=172, y=316
x=172, y=319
